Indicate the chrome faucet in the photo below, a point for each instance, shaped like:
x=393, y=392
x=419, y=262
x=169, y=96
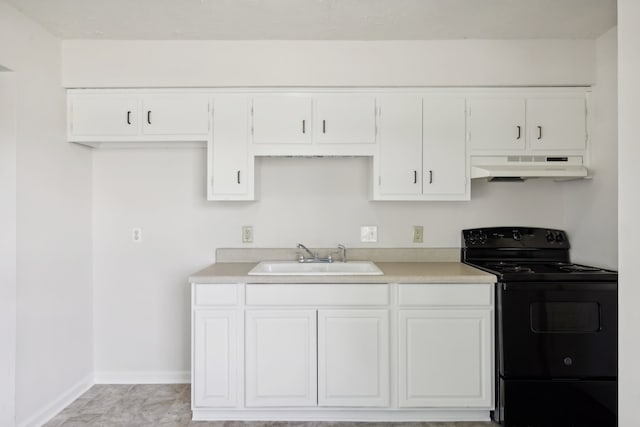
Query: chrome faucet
x=313, y=257
x=343, y=252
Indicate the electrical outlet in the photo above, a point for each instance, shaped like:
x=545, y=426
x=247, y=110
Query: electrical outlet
x=418, y=234
x=247, y=234
x=136, y=234
x=369, y=233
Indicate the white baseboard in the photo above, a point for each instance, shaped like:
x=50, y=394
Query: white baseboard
x=136, y=377
x=65, y=398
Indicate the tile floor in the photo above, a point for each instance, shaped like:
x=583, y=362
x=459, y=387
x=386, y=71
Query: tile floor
x=169, y=406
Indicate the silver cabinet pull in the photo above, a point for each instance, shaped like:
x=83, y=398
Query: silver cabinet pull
x=304, y=128
x=539, y=132
x=430, y=177
x=415, y=177
x=324, y=126
x=519, y=132
x=238, y=177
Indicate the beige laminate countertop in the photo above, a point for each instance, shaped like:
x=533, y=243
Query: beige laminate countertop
x=394, y=272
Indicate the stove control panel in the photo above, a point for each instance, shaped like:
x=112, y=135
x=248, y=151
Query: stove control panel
x=514, y=237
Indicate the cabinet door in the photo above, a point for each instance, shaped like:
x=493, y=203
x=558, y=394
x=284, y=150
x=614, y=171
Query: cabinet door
x=400, y=145
x=103, y=115
x=497, y=124
x=215, y=358
x=444, y=141
x=345, y=119
x=353, y=357
x=557, y=123
x=175, y=114
x=445, y=358
x=281, y=358
x=282, y=119
x=229, y=163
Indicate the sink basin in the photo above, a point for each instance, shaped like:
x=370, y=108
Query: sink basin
x=292, y=268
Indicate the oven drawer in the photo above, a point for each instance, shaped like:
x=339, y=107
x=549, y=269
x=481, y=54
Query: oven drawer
x=548, y=403
x=557, y=330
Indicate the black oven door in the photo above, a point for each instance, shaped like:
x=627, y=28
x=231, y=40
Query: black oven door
x=557, y=330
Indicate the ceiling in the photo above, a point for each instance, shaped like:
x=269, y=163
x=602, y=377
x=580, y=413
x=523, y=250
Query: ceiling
x=322, y=19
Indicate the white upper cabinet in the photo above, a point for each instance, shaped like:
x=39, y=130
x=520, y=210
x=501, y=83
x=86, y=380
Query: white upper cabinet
x=444, y=146
x=116, y=117
x=282, y=119
x=556, y=123
x=422, y=148
x=528, y=123
x=175, y=114
x=230, y=166
x=496, y=123
x=345, y=119
x=400, y=155
x=103, y=115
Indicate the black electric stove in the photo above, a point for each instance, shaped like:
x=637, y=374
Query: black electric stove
x=556, y=329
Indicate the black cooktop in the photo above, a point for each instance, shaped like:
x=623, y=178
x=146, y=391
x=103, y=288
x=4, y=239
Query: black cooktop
x=545, y=271
x=527, y=254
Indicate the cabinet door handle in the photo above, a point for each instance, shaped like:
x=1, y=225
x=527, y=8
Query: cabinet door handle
x=415, y=177
x=430, y=177
x=324, y=126
x=304, y=127
x=238, y=177
x=149, y=116
x=539, y=132
x=519, y=132
x=128, y=117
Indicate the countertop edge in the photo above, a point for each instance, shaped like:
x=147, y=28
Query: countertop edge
x=415, y=272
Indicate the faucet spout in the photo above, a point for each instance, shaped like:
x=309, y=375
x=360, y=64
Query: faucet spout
x=304, y=248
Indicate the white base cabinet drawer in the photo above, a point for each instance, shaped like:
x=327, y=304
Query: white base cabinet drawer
x=317, y=294
x=450, y=294
x=214, y=295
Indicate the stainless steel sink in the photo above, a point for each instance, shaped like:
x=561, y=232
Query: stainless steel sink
x=292, y=268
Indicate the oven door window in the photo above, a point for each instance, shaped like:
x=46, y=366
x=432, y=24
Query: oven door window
x=565, y=317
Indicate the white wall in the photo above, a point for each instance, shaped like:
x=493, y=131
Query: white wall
x=7, y=247
x=629, y=209
x=53, y=226
x=109, y=63
x=592, y=206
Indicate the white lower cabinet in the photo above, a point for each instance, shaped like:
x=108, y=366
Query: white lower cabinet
x=353, y=357
x=350, y=352
x=280, y=358
x=215, y=359
x=445, y=358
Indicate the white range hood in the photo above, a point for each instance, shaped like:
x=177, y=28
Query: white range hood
x=524, y=167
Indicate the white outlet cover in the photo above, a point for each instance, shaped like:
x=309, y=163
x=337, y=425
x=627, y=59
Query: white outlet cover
x=369, y=233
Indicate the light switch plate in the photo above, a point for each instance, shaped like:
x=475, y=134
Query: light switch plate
x=418, y=234
x=369, y=233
